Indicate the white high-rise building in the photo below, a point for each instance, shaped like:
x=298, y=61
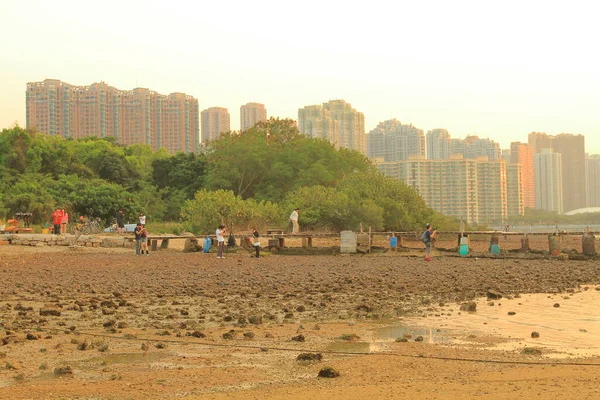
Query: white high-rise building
x=438, y=144
x=592, y=177
x=393, y=141
x=251, y=114
x=547, y=167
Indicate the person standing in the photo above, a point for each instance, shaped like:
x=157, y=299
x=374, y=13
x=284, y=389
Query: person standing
x=120, y=221
x=256, y=241
x=427, y=237
x=220, y=232
x=143, y=219
x=143, y=239
x=64, y=222
x=138, y=239
x=57, y=221
x=294, y=220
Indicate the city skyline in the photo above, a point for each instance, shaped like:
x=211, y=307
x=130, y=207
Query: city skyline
x=456, y=68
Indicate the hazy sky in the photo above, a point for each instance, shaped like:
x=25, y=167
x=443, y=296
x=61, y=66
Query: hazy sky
x=496, y=69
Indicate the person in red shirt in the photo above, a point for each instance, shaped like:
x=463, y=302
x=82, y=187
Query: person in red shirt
x=57, y=220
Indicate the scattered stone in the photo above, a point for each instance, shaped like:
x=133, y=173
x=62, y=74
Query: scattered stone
x=535, y=335
x=349, y=336
x=493, y=295
x=328, y=372
x=470, y=306
x=229, y=335
x=255, y=319
x=419, y=339
x=311, y=357
x=249, y=335
x=160, y=345
x=530, y=351
x=45, y=312
x=299, y=338
x=556, y=305
x=31, y=336
x=512, y=313
x=63, y=371
x=402, y=340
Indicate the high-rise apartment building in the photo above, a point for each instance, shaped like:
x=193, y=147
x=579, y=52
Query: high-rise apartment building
x=130, y=116
x=522, y=154
x=315, y=121
x=251, y=114
x=539, y=141
x=505, y=154
x=592, y=176
x=335, y=121
x=394, y=141
x=548, y=181
x=438, y=144
x=473, y=147
x=215, y=120
x=472, y=189
x=572, y=151
x=514, y=190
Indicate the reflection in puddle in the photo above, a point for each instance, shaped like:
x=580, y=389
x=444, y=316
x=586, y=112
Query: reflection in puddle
x=430, y=335
x=567, y=326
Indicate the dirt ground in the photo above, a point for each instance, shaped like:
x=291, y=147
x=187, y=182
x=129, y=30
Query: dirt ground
x=94, y=323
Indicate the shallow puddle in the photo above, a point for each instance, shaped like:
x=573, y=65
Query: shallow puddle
x=571, y=329
x=429, y=335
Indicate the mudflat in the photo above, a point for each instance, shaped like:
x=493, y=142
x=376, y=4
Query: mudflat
x=94, y=323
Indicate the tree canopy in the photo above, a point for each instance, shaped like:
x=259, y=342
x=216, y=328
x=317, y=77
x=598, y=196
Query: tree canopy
x=254, y=178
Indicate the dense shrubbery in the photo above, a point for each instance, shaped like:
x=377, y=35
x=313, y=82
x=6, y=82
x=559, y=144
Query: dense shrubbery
x=243, y=180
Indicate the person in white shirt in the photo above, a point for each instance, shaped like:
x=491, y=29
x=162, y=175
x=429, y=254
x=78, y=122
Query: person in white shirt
x=220, y=232
x=143, y=219
x=294, y=219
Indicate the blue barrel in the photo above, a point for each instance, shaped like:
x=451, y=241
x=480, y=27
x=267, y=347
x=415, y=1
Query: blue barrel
x=207, y=244
x=393, y=242
x=495, y=249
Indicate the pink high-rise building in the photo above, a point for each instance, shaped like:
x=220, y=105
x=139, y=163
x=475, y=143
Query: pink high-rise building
x=130, y=116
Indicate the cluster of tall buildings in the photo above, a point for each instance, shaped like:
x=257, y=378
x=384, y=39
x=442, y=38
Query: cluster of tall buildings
x=470, y=178
x=143, y=116
x=474, y=179
x=130, y=116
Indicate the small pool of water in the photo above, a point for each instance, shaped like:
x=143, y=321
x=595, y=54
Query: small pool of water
x=429, y=335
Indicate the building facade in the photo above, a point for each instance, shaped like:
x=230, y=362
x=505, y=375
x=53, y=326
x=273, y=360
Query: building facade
x=472, y=189
x=215, y=120
x=335, y=121
x=438, y=144
x=394, y=141
x=592, y=176
x=522, y=154
x=572, y=151
x=251, y=114
x=548, y=181
x=514, y=190
x=138, y=116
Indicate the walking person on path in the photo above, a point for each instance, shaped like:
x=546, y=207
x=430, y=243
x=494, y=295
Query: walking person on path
x=220, y=232
x=294, y=220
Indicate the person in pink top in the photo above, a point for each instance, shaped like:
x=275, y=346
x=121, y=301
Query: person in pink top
x=64, y=222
